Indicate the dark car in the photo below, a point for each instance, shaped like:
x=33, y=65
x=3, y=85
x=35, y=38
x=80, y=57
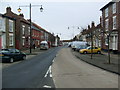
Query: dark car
x=11, y=55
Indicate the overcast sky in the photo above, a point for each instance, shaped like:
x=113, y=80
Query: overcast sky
x=58, y=15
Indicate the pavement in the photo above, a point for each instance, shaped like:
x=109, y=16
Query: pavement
x=33, y=53
x=101, y=60
x=70, y=72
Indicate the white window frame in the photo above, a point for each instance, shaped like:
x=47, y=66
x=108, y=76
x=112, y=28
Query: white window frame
x=23, y=41
x=28, y=40
x=2, y=24
x=114, y=8
x=11, y=39
x=106, y=12
x=23, y=29
x=106, y=40
x=10, y=25
x=106, y=24
x=28, y=30
x=114, y=22
x=3, y=38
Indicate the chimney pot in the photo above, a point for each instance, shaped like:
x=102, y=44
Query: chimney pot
x=93, y=24
x=88, y=26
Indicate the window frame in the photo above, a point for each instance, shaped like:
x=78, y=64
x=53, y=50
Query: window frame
x=114, y=22
x=11, y=23
x=106, y=12
x=114, y=8
x=11, y=38
x=106, y=24
x=23, y=29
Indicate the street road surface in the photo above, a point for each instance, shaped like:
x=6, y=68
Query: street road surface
x=30, y=73
x=70, y=72
x=66, y=72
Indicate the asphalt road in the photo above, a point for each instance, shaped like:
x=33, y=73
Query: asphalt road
x=70, y=72
x=30, y=73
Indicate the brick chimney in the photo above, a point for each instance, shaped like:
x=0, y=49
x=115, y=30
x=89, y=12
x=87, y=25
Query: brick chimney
x=8, y=9
x=88, y=26
x=21, y=15
x=92, y=24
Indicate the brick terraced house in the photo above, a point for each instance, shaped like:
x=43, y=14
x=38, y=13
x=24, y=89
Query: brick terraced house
x=111, y=26
x=7, y=32
x=22, y=30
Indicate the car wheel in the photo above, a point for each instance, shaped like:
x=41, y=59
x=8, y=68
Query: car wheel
x=24, y=57
x=85, y=52
x=99, y=52
x=11, y=60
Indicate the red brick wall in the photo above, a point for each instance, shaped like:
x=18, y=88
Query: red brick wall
x=110, y=17
x=18, y=28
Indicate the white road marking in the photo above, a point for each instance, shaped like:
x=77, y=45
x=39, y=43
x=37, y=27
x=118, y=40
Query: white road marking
x=45, y=86
x=56, y=54
x=53, y=60
x=48, y=71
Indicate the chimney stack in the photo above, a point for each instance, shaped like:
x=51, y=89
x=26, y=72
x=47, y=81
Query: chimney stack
x=93, y=24
x=8, y=9
x=88, y=26
x=21, y=15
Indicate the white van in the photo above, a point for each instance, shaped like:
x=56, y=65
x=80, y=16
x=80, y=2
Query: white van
x=44, y=45
x=76, y=44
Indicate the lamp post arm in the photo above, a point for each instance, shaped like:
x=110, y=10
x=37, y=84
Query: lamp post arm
x=25, y=6
x=29, y=5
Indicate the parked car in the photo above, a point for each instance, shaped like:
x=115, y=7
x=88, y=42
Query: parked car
x=89, y=50
x=78, y=48
x=69, y=44
x=11, y=55
x=44, y=45
x=76, y=44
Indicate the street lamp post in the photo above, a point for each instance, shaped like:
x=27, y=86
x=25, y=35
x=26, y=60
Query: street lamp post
x=19, y=10
x=73, y=29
